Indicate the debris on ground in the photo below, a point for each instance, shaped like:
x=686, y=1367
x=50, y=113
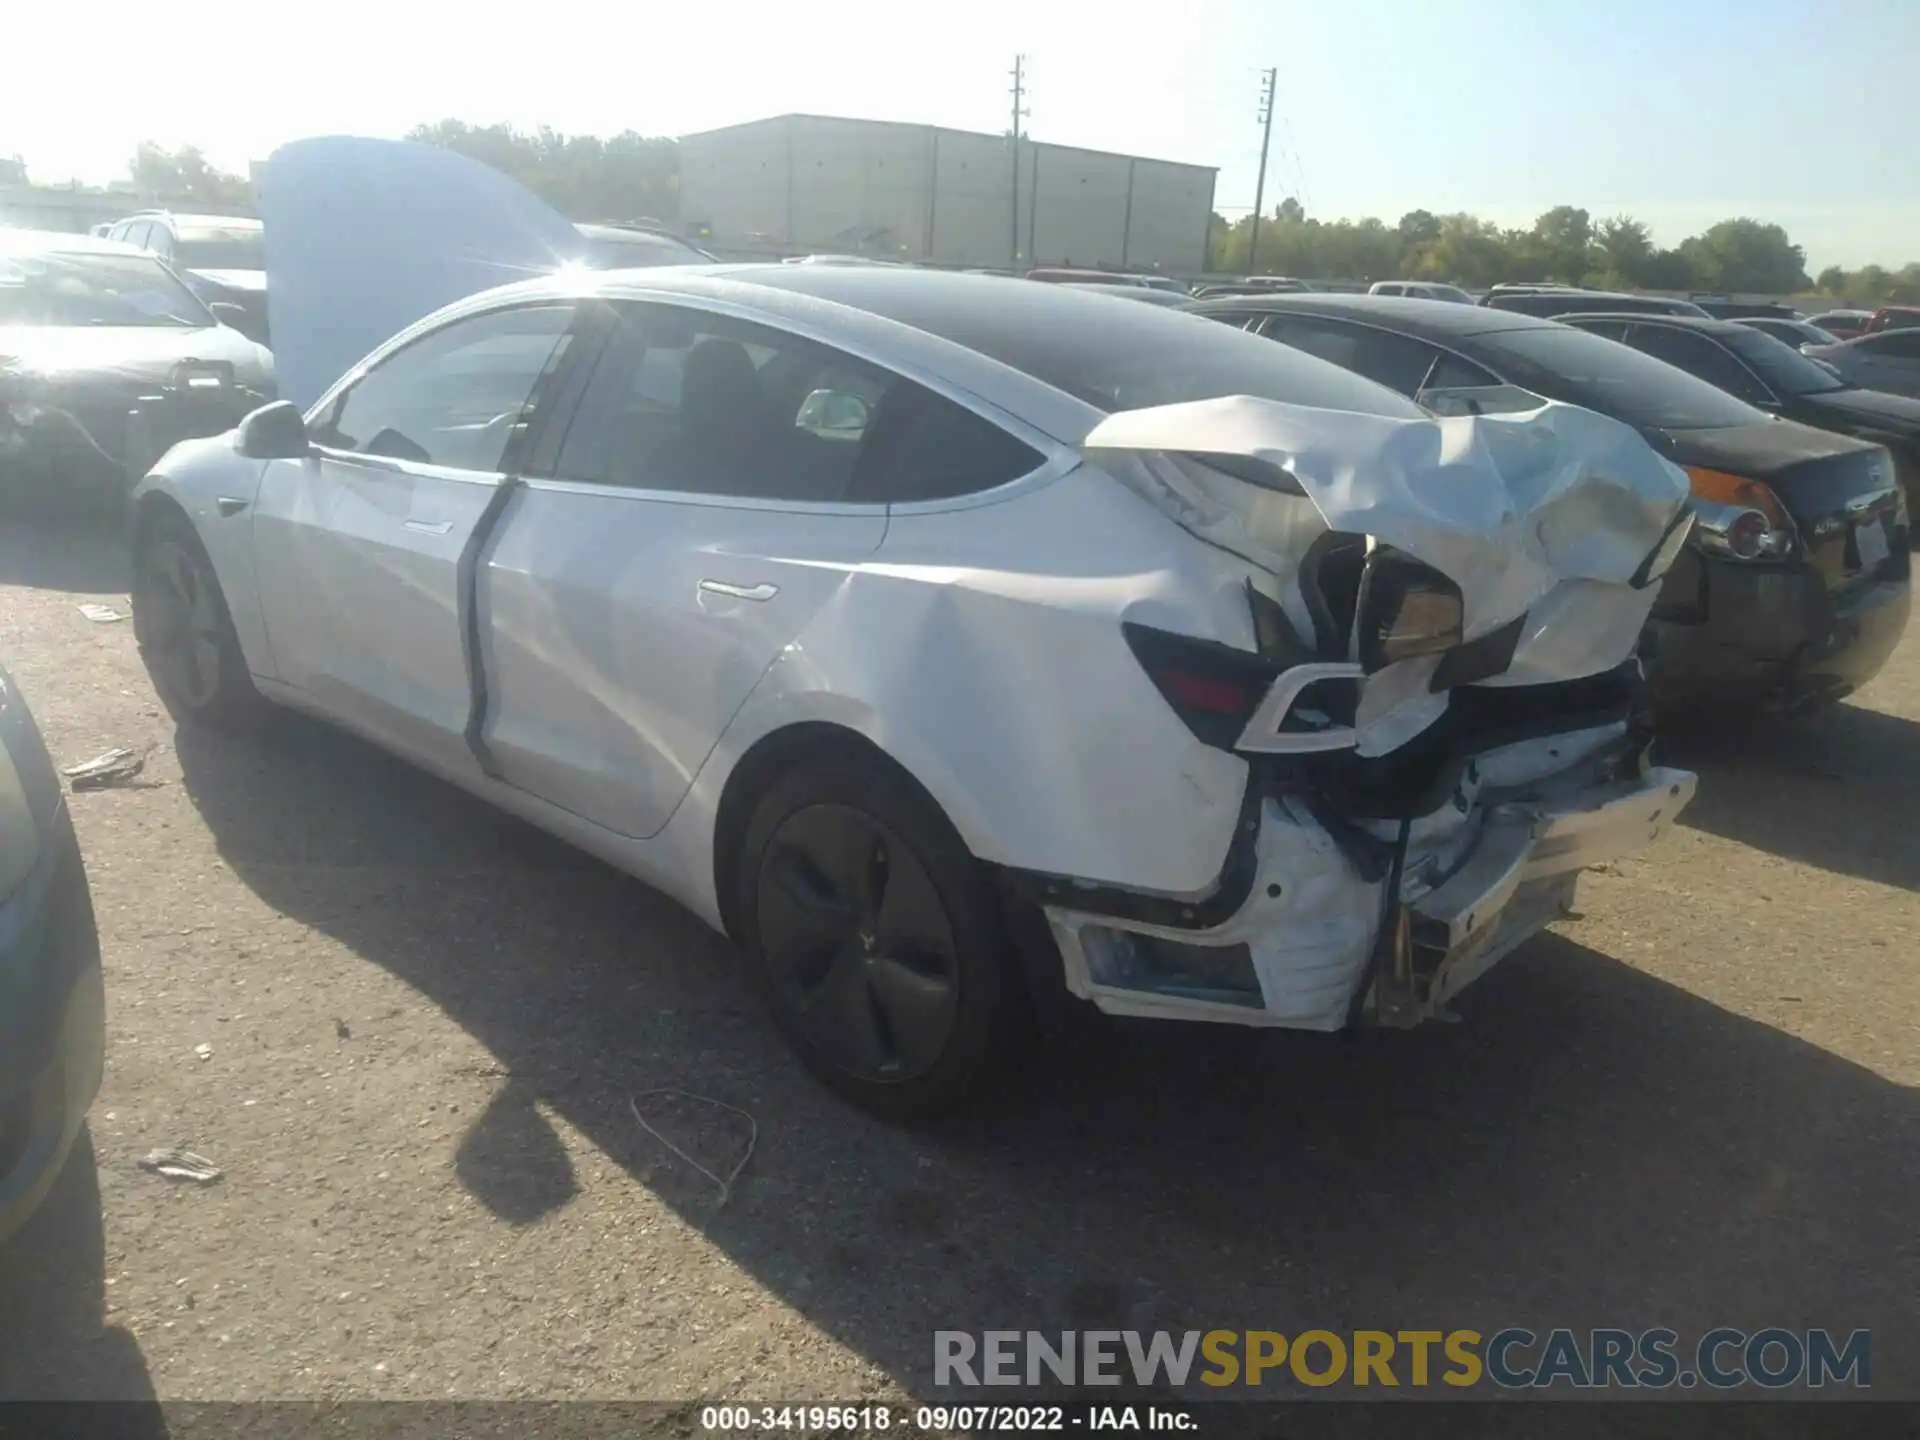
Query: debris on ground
x=177, y=1164
x=342, y=1030
x=107, y=769
x=102, y=614
x=203, y=1050
x=753, y=1134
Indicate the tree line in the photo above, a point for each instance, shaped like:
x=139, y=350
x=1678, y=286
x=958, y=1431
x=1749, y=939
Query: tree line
x=1566, y=244
x=632, y=177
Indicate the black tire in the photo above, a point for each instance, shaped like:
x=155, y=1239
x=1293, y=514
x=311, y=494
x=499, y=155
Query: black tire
x=876, y=938
x=185, y=633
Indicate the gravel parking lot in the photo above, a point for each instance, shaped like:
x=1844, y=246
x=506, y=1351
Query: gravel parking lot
x=426, y=1027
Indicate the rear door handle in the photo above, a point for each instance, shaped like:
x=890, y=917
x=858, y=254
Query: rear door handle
x=229, y=506
x=762, y=591
x=429, y=527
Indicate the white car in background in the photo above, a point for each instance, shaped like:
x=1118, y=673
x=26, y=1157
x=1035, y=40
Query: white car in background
x=1421, y=290
x=888, y=618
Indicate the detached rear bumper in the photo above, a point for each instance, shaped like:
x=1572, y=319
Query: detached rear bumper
x=1303, y=945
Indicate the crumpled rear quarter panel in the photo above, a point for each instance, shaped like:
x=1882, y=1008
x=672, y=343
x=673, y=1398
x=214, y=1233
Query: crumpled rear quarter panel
x=982, y=649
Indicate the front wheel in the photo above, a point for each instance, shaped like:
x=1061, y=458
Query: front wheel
x=185, y=633
x=876, y=938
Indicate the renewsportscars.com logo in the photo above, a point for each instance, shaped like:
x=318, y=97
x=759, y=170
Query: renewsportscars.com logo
x=1514, y=1358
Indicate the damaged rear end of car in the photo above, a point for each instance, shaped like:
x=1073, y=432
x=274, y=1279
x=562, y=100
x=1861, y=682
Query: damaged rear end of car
x=1442, y=718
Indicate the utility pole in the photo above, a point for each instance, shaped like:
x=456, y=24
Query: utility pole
x=1019, y=95
x=1260, y=185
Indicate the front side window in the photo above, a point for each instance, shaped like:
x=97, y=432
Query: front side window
x=686, y=401
x=451, y=397
x=74, y=288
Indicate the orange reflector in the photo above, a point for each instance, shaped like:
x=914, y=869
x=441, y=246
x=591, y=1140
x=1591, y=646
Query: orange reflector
x=1739, y=492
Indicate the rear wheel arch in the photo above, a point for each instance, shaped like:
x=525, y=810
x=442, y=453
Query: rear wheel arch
x=772, y=756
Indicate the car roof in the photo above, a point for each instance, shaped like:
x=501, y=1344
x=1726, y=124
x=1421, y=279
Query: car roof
x=197, y=222
x=61, y=242
x=1429, y=319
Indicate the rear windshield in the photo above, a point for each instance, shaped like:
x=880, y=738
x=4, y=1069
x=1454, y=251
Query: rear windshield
x=1112, y=356
x=1780, y=365
x=238, y=248
x=1582, y=369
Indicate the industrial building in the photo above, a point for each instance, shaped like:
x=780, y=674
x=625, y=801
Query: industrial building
x=919, y=192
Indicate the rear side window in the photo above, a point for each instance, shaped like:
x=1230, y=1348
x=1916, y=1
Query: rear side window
x=1698, y=355
x=1396, y=361
x=453, y=396
x=691, y=402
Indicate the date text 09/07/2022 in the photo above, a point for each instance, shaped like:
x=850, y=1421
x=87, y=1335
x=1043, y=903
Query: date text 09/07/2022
x=946, y=1419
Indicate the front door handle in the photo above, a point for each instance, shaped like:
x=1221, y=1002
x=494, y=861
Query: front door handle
x=762, y=591
x=429, y=527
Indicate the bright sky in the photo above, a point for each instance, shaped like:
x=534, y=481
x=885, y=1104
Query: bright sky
x=1681, y=112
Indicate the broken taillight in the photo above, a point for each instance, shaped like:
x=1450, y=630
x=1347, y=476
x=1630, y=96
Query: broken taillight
x=1213, y=688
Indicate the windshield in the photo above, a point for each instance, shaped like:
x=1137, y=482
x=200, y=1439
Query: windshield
x=1582, y=369
x=75, y=288
x=606, y=252
x=1780, y=365
x=239, y=248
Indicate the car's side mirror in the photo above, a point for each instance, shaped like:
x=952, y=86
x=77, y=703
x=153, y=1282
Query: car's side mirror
x=229, y=314
x=274, y=432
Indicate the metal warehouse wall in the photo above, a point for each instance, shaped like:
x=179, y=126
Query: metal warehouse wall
x=923, y=193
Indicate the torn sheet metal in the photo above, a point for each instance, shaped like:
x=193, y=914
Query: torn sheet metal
x=364, y=237
x=1512, y=508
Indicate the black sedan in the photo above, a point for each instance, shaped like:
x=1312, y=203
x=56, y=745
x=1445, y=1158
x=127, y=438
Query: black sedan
x=1796, y=585
x=107, y=359
x=1776, y=378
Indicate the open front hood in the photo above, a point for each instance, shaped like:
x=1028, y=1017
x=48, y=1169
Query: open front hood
x=364, y=237
x=1556, y=514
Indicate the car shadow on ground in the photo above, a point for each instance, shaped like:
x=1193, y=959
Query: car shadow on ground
x=55, y=1343
x=1839, y=790
x=82, y=557
x=1591, y=1147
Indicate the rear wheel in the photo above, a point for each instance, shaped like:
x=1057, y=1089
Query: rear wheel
x=876, y=938
x=186, y=634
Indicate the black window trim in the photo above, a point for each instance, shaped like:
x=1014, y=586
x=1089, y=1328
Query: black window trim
x=522, y=435
x=1773, y=400
x=1056, y=459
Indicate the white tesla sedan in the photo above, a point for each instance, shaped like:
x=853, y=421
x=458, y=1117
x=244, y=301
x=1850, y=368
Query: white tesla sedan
x=885, y=616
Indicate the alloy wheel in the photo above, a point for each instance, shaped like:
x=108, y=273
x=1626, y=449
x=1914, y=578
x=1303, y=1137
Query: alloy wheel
x=858, y=942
